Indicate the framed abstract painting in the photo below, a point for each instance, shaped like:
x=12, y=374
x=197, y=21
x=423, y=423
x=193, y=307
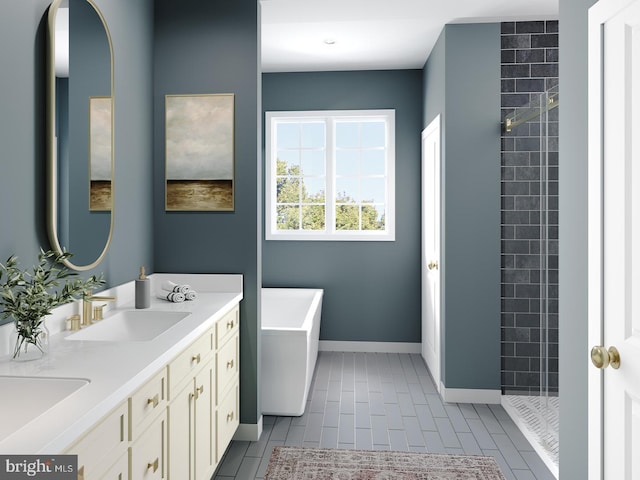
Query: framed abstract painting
x=199, y=152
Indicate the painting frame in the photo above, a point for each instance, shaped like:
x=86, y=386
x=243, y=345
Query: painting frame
x=100, y=154
x=200, y=152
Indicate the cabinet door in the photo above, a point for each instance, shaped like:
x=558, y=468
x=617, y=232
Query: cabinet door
x=148, y=456
x=202, y=419
x=180, y=412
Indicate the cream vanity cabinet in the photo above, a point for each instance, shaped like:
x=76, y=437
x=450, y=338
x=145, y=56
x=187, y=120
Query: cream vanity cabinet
x=179, y=423
x=190, y=411
x=203, y=401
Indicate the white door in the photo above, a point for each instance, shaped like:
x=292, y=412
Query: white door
x=430, y=265
x=614, y=239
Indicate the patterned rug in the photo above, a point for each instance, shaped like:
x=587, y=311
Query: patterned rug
x=301, y=463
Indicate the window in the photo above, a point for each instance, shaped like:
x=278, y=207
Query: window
x=330, y=175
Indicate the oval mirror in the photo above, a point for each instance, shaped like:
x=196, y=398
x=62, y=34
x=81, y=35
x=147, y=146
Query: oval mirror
x=80, y=141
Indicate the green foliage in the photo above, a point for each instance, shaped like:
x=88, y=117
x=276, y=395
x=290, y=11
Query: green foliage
x=292, y=192
x=30, y=296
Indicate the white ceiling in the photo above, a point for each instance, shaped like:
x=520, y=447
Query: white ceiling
x=373, y=34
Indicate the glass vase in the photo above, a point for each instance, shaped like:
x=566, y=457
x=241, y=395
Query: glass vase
x=30, y=343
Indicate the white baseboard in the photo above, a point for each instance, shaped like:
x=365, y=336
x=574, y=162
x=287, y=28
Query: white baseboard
x=469, y=395
x=249, y=432
x=369, y=347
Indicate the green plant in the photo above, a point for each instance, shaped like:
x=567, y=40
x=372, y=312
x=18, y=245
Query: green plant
x=30, y=296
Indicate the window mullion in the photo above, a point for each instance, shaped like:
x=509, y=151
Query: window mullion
x=273, y=173
x=330, y=162
x=300, y=178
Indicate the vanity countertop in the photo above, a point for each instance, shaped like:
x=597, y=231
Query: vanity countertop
x=114, y=369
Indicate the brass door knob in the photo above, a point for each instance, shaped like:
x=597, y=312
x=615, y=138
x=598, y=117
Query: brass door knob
x=432, y=265
x=602, y=358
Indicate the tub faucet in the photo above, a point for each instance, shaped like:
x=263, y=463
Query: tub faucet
x=87, y=306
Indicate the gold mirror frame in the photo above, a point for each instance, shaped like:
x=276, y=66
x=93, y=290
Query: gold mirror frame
x=52, y=209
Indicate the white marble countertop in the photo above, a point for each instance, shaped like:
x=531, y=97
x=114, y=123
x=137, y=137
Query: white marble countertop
x=115, y=369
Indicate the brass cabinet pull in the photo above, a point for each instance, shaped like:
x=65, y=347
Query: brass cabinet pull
x=433, y=265
x=153, y=465
x=602, y=358
x=153, y=401
x=196, y=358
x=230, y=364
x=230, y=417
x=198, y=391
x=229, y=324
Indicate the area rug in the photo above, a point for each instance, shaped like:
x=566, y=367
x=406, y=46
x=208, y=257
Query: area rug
x=302, y=463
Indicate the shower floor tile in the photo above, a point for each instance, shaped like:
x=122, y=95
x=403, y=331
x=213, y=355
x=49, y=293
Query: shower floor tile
x=386, y=401
x=538, y=417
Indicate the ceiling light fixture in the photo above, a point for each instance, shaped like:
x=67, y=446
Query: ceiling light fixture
x=329, y=41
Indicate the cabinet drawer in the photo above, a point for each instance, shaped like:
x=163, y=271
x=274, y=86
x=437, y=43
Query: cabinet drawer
x=148, y=454
x=227, y=421
x=119, y=470
x=189, y=361
x=226, y=367
x=146, y=403
x=227, y=326
x=101, y=446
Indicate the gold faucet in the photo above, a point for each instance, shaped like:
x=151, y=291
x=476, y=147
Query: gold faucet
x=87, y=304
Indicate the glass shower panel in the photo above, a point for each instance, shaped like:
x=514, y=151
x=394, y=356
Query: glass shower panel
x=531, y=397
x=549, y=268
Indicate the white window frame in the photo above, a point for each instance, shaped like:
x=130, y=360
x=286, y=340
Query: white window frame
x=329, y=117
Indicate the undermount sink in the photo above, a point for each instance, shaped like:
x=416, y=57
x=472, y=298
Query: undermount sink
x=25, y=398
x=130, y=326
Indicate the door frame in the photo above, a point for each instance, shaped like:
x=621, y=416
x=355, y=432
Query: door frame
x=595, y=241
x=599, y=13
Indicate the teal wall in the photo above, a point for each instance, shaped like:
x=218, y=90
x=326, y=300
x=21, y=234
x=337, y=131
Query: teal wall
x=22, y=53
x=372, y=289
x=22, y=114
x=213, y=47
x=574, y=347
x=434, y=85
x=462, y=82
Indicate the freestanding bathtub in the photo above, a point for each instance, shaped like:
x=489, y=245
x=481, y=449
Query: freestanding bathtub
x=290, y=335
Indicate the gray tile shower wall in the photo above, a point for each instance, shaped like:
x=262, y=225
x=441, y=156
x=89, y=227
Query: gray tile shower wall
x=529, y=67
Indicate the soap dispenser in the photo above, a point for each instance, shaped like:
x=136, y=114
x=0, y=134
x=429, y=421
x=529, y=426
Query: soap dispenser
x=143, y=290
